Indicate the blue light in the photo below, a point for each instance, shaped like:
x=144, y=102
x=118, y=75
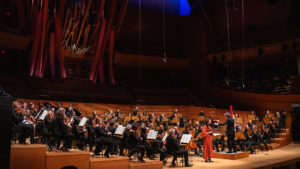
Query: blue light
x=184, y=7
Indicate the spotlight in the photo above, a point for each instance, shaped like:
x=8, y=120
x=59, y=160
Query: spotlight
x=164, y=60
x=165, y=57
x=243, y=85
x=227, y=82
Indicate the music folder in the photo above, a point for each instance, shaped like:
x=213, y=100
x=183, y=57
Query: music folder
x=185, y=139
x=165, y=137
x=82, y=122
x=152, y=135
x=44, y=114
x=120, y=130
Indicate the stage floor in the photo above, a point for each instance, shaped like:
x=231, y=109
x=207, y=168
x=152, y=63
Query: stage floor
x=285, y=155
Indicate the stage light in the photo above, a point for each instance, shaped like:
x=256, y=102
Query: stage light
x=7, y=13
x=3, y=51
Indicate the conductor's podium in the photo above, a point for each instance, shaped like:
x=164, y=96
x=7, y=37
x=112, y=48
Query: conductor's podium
x=231, y=156
x=27, y=156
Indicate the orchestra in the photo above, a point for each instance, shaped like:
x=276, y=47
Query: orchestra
x=62, y=129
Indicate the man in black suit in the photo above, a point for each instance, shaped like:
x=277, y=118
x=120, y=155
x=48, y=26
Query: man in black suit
x=59, y=128
x=135, y=112
x=134, y=141
x=229, y=132
x=103, y=137
x=173, y=147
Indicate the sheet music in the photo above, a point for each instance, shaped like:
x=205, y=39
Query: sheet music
x=165, y=137
x=217, y=134
x=120, y=130
x=185, y=139
x=152, y=135
x=44, y=114
x=83, y=121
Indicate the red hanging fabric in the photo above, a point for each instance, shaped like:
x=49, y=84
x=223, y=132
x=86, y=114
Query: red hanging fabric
x=58, y=43
x=51, y=54
x=98, y=51
x=45, y=63
x=36, y=43
x=111, y=57
x=43, y=36
x=121, y=17
x=106, y=38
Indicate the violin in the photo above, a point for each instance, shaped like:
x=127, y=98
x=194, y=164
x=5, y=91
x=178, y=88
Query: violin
x=192, y=145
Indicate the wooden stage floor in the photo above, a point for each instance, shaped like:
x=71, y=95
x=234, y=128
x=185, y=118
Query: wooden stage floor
x=283, y=156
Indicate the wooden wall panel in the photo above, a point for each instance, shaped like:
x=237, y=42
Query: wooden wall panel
x=27, y=156
x=78, y=159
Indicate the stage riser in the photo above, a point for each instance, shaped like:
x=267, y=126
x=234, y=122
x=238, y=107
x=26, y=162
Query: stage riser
x=36, y=157
x=27, y=156
x=57, y=160
x=152, y=165
x=112, y=163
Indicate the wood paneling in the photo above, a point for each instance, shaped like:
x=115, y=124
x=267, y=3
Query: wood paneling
x=109, y=163
x=78, y=159
x=231, y=156
x=147, y=165
x=27, y=156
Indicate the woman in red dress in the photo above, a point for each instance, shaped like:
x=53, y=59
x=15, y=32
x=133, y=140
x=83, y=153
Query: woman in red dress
x=207, y=134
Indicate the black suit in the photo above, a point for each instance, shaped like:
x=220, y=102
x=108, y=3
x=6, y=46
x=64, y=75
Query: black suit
x=254, y=139
x=58, y=129
x=157, y=147
x=134, y=145
x=135, y=113
x=230, y=133
x=265, y=139
x=102, y=138
x=47, y=129
x=173, y=147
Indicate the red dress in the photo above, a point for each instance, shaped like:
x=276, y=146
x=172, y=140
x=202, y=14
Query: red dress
x=207, y=142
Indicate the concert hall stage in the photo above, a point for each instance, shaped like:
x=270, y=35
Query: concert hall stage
x=36, y=157
x=284, y=156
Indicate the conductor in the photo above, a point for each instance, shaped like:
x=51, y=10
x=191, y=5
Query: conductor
x=229, y=132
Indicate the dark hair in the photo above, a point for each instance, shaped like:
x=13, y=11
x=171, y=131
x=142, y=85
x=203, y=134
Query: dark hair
x=134, y=127
x=206, y=121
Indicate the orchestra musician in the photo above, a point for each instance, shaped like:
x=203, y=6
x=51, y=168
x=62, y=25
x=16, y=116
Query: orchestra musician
x=124, y=140
x=60, y=129
x=173, y=148
x=57, y=127
x=161, y=129
x=134, y=140
x=103, y=137
x=265, y=137
x=157, y=147
x=230, y=133
x=118, y=114
x=197, y=138
x=207, y=134
x=254, y=139
x=240, y=141
x=135, y=111
x=143, y=142
x=47, y=127
x=201, y=113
